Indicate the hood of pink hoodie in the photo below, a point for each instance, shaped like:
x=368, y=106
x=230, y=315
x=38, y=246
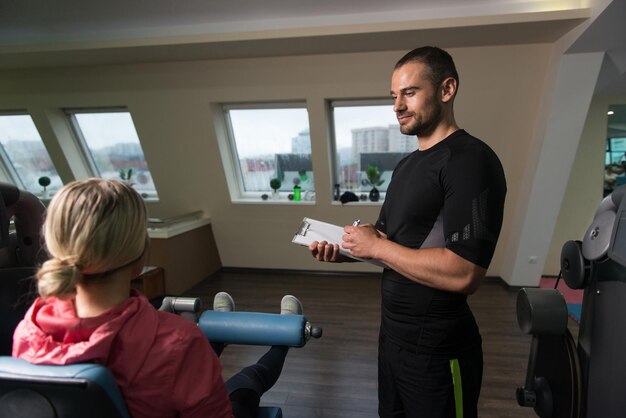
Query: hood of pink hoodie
x=51, y=333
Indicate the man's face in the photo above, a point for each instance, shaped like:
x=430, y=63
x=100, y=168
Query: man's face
x=416, y=100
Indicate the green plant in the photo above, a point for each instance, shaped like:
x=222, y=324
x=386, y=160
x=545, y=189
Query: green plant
x=275, y=184
x=126, y=175
x=373, y=176
x=44, y=181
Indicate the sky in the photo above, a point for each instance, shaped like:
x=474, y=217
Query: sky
x=257, y=131
x=269, y=131
x=18, y=127
x=101, y=130
x=105, y=129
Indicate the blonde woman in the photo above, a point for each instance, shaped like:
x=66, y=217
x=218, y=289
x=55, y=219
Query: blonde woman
x=96, y=234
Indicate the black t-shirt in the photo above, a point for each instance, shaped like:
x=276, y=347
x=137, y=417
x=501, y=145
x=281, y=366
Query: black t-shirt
x=452, y=196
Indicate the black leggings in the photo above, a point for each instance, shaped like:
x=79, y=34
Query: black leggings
x=246, y=387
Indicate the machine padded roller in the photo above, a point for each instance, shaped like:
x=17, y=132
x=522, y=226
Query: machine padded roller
x=541, y=312
x=255, y=328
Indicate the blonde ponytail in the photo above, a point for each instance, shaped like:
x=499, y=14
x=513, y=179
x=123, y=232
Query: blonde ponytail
x=57, y=277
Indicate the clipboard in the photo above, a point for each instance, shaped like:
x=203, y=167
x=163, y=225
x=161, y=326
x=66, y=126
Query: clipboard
x=313, y=230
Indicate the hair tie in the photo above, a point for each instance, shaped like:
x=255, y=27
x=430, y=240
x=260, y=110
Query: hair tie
x=68, y=262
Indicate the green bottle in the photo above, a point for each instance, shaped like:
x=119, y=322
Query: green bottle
x=296, y=193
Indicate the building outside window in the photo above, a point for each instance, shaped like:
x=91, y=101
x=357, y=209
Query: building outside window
x=270, y=142
x=366, y=134
x=112, y=147
x=24, y=156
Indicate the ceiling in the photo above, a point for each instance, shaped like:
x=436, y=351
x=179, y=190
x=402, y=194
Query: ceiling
x=44, y=33
x=29, y=22
x=37, y=33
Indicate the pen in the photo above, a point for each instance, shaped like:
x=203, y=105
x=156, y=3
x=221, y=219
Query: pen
x=356, y=222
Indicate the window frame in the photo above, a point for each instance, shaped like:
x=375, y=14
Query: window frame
x=8, y=167
x=239, y=194
x=83, y=146
x=332, y=104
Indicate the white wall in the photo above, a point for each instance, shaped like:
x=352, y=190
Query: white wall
x=554, y=153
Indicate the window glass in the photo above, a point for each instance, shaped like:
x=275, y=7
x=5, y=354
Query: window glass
x=367, y=140
x=24, y=155
x=615, y=150
x=272, y=143
x=614, y=164
x=113, y=148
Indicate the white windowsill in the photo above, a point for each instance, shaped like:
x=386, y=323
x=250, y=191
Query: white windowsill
x=270, y=201
x=359, y=203
x=169, y=230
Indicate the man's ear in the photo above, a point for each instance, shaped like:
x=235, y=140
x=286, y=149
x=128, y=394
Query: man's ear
x=448, y=89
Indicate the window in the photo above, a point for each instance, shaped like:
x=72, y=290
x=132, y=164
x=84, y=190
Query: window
x=112, y=147
x=269, y=142
x=24, y=155
x=366, y=136
x=615, y=150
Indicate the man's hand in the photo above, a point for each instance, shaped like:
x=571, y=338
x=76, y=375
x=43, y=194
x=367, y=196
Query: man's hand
x=362, y=240
x=323, y=251
x=357, y=238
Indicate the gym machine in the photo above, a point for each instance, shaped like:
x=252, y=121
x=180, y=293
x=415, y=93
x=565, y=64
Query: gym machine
x=566, y=379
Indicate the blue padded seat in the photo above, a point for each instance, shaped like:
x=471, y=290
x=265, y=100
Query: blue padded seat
x=77, y=390
x=40, y=391
x=270, y=412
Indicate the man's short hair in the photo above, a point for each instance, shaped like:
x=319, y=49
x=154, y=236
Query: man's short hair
x=439, y=62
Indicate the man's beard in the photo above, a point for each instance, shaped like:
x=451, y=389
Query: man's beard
x=427, y=126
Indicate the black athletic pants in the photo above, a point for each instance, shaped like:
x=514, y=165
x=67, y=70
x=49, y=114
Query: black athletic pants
x=414, y=385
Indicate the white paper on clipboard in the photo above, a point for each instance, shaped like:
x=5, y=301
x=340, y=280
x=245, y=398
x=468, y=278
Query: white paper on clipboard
x=313, y=230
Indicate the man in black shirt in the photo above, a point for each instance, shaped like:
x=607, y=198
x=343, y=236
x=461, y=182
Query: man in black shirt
x=437, y=231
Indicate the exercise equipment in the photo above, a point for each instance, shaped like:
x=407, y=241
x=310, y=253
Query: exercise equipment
x=21, y=248
x=566, y=379
x=20, y=252
x=255, y=328
x=245, y=328
x=78, y=390
x=40, y=391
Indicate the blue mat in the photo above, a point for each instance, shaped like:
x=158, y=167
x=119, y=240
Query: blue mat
x=574, y=310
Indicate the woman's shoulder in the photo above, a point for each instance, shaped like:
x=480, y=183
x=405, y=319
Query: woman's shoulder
x=170, y=323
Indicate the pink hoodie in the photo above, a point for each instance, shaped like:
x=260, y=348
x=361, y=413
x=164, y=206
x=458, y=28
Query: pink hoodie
x=163, y=363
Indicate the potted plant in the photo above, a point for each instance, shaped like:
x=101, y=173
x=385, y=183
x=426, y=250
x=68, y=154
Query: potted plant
x=275, y=184
x=44, y=181
x=374, y=180
x=126, y=175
